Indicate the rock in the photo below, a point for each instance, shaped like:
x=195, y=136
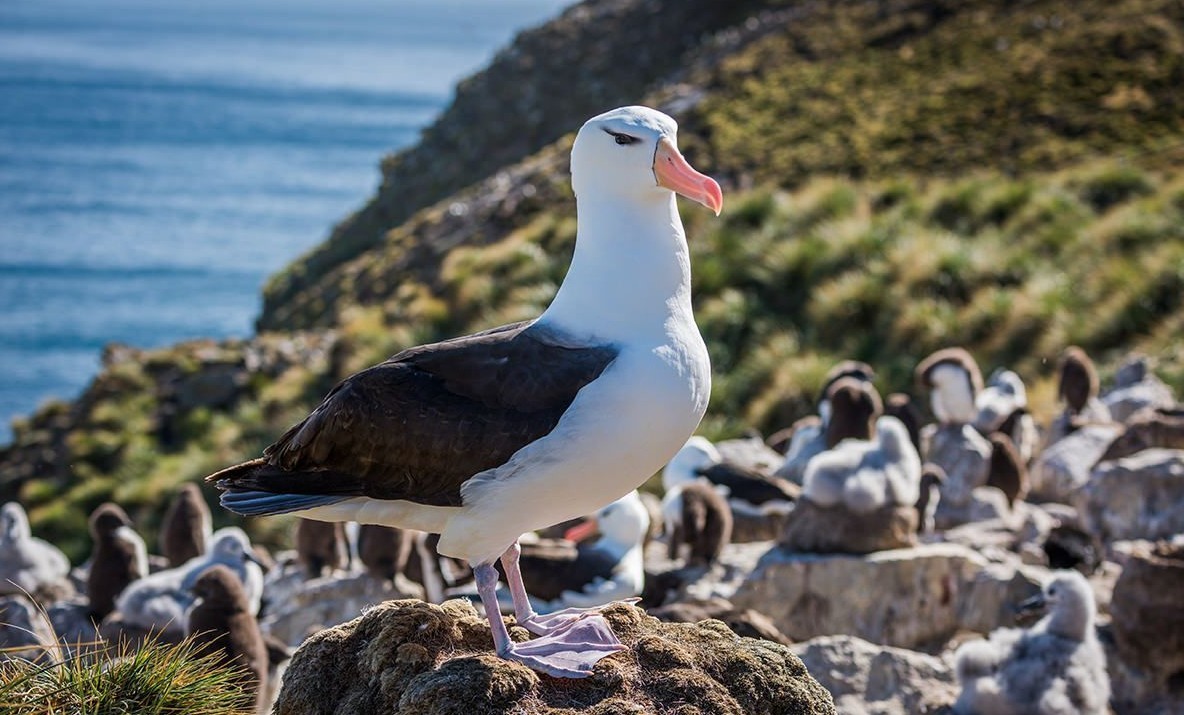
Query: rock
x=1136, y=388
x=1010, y=531
x=1147, y=610
x=907, y=598
x=984, y=504
x=1140, y=497
x=409, y=657
x=72, y=624
x=25, y=633
x=748, y=527
x=1067, y=422
x=1064, y=468
x=308, y=606
x=964, y=454
x=827, y=530
x=869, y=679
x=743, y=622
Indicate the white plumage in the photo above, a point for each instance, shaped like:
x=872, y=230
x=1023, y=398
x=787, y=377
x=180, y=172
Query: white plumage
x=952, y=397
x=27, y=564
x=1057, y=667
x=160, y=600
x=866, y=475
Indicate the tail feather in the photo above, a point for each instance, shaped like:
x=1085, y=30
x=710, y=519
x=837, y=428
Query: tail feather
x=257, y=503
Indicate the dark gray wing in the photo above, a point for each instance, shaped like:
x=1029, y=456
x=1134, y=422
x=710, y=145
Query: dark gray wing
x=418, y=425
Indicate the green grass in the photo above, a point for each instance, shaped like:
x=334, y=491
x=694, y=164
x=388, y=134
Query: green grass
x=153, y=679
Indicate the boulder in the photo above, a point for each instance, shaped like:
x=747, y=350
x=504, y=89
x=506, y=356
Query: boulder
x=829, y=530
x=964, y=454
x=1136, y=388
x=870, y=679
x=1064, y=468
x=743, y=622
x=72, y=624
x=25, y=633
x=749, y=526
x=1140, y=497
x=410, y=657
x=984, y=504
x=908, y=598
x=308, y=606
x=1147, y=610
x=750, y=452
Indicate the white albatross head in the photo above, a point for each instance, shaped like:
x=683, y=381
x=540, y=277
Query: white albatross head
x=14, y=524
x=633, y=152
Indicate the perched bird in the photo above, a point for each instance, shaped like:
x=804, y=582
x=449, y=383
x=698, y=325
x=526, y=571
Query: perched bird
x=321, y=545
x=485, y=437
x=864, y=476
x=384, y=550
x=697, y=515
x=1078, y=382
x=1056, y=667
x=117, y=558
x=1071, y=547
x=588, y=574
x=1006, y=471
x=27, y=564
x=854, y=407
x=953, y=379
x=158, y=601
x=221, y=622
x=855, y=370
x=932, y=478
x=902, y=407
x=748, y=491
x=999, y=400
x=186, y=527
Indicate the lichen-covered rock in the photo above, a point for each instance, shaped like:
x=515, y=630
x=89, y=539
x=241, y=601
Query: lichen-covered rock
x=413, y=658
x=907, y=598
x=1064, y=468
x=1140, y=497
x=869, y=679
x=1147, y=609
x=984, y=504
x=814, y=529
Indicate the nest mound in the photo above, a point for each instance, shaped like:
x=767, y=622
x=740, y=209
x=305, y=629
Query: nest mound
x=413, y=658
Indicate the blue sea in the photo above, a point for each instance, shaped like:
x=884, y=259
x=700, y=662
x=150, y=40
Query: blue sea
x=158, y=160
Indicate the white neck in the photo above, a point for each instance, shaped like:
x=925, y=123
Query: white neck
x=631, y=272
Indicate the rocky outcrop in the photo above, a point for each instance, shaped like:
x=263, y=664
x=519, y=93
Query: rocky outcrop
x=409, y=657
x=1140, y=497
x=817, y=529
x=907, y=598
x=1147, y=610
x=550, y=80
x=297, y=608
x=869, y=679
x=1136, y=388
x=964, y=454
x=1064, y=468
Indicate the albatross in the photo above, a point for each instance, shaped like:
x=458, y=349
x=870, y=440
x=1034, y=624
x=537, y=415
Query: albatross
x=485, y=437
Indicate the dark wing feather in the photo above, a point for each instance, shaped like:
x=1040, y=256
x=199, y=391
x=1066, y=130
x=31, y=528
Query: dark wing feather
x=551, y=566
x=418, y=425
x=749, y=484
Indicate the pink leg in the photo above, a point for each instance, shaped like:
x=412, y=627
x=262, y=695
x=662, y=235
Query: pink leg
x=524, y=613
x=569, y=654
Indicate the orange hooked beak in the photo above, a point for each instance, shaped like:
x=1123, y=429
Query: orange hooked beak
x=582, y=531
x=673, y=172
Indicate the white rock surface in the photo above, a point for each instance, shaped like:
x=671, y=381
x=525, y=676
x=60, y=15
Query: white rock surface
x=964, y=454
x=869, y=679
x=1064, y=467
x=310, y=606
x=1139, y=497
x=907, y=598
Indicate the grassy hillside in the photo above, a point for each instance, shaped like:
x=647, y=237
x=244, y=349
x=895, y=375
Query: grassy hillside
x=916, y=174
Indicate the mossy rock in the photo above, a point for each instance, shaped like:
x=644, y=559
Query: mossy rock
x=409, y=657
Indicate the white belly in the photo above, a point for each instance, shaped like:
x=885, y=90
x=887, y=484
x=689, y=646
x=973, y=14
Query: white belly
x=619, y=431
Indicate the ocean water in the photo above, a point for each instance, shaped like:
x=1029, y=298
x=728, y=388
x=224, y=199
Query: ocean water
x=159, y=160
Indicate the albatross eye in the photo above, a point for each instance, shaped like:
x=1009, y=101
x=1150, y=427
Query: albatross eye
x=622, y=139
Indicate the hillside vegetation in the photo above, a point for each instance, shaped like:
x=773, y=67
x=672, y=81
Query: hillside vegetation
x=901, y=177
